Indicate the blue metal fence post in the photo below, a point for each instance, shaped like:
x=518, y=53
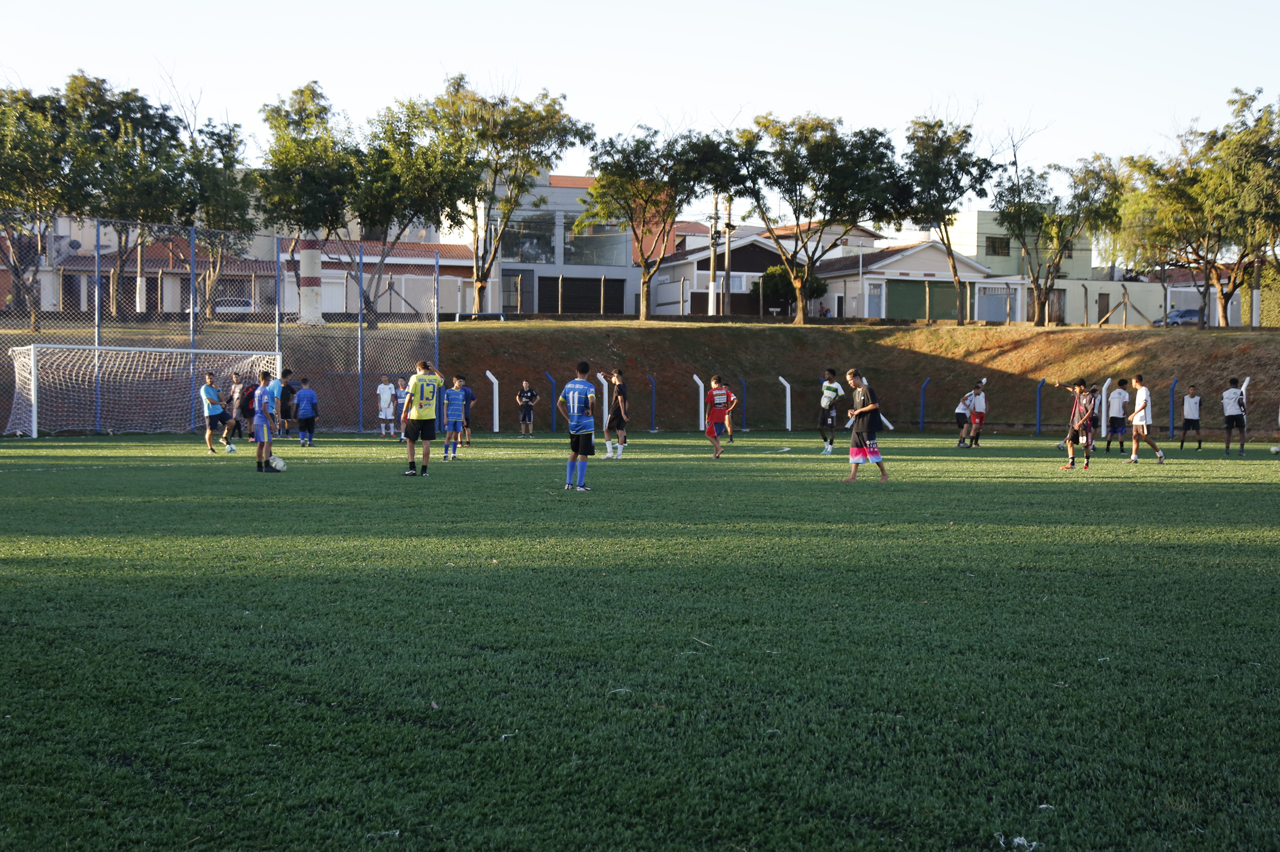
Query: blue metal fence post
x=360, y=342
x=1172, y=388
x=97, y=329
x=1039, y=388
x=742, y=413
x=653, y=405
x=922, y=387
x=191, y=318
x=553, y=400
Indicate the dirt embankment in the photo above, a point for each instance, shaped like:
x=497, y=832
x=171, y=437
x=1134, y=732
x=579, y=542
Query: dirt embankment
x=898, y=361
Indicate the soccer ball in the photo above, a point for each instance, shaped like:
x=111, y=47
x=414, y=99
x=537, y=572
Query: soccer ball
x=231, y=448
x=1275, y=451
x=278, y=463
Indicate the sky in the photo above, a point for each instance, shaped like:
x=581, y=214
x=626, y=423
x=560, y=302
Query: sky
x=1117, y=78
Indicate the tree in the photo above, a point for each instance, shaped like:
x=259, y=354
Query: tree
x=34, y=167
x=1047, y=225
x=642, y=184
x=943, y=170
x=826, y=180
x=512, y=141
x=777, y=285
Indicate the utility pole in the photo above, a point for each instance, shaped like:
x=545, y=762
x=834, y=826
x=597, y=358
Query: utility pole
x=729, y=227
x=714, y=240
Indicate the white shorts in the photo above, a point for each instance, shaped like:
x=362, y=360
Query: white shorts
x=386, y=412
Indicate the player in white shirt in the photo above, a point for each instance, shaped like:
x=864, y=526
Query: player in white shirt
x=386, y=407
x=1143, y=419
x=1233, y=410
x=1191, y=417
x=402, y=393
x=1117, y=403
x=971, y=413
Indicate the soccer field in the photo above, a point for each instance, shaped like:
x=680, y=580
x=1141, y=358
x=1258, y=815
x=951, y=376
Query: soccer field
x=733, y=654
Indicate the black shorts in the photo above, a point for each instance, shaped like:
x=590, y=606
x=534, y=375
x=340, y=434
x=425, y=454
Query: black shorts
x=420, y=430
x=287, y=410
x=306, y=424
x=827, y=418
x=583, y=443
x=1115, y=426
x=1235, y=421
x=1080, y=436
x=616, y=423
x=526, y=414
x=962, y=419
x=213, y=421
x=1190, y=425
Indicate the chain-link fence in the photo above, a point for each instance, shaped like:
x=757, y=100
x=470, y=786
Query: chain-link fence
x=359, y=312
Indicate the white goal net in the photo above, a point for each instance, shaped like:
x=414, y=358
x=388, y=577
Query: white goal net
x=110, y=389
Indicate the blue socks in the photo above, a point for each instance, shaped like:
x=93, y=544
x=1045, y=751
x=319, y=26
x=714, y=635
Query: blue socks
x=582, y=472
x=568, y=473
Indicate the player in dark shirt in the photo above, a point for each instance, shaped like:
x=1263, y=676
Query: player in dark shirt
x=526, y=397
x=619, y=414
x=865, y=414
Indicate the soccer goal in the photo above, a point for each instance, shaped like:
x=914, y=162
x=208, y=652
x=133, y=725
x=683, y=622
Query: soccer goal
x=116, y=389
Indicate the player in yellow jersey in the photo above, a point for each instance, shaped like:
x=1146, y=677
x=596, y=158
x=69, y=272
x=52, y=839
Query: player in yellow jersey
x=418, y=420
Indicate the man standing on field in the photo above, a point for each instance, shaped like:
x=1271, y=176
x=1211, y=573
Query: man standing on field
x=237, y=396
x=1233, y=411
x=577, y=403
x=386, y=407
x=214, y=415
x=618, y=415
x=526, y=397
x=831, y=395
x=720, y=401
x=469, y=397
x=1080, y=430
x=1143, y=417
x=264, y=414
x=865, y=414
x=418, y=419
x=402, y=397
x=1117, y=402
x=1191, y=418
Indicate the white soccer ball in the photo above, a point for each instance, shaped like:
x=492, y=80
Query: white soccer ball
x=231, y=448
x=278, y=463
x=1275, y=451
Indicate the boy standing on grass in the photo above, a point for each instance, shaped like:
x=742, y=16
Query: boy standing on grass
x=865, y=414
x=237, y=395
x=1117, y=402
x=720, y=401
x=308, y=411
x=284, y=401
x=526, y=397
x=402, y=396
x=469, y=396
x=214, y=415
x=577, y=404
x=1143, y=418
x=1191, y=418
x=386, y=407
x=1081, y=424
x=618, y=416
x=418, y=417
x=1233, y=411
x=831, y=395
x=455, y=405
x=264, y=415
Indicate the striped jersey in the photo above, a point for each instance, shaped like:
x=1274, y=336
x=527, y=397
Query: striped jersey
x=455, y=404
x=579, y=398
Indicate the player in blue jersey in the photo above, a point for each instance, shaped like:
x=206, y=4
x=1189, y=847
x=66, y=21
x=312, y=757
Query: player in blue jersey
x=455, y=406
x=308, y=409
x=215, y=416
x=577, y=404
x=264, y=415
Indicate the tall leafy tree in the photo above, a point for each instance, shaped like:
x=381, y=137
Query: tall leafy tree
x=1048, y=224
x=512, y=141
x=944, y=169
x=642, y=184
x=824, y=180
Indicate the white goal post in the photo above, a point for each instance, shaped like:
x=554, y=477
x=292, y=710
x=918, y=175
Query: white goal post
x=114, y=389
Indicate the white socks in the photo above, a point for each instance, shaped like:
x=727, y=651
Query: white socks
x=618, y=454
x=608, y=448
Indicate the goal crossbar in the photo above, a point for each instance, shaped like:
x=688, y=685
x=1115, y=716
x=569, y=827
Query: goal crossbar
x=75, y=379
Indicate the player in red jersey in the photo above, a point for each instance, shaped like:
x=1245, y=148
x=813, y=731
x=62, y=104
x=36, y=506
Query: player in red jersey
x=720, y=401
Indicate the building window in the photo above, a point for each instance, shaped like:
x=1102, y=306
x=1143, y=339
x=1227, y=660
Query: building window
x=599, y=245
x=997, y=246
x=1069, y=249
x=529, y=238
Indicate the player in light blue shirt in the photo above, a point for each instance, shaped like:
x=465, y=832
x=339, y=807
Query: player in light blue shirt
x=264, y=414
x=577, y=404
x=214, y=414
x=455, y=406
x=308, y=406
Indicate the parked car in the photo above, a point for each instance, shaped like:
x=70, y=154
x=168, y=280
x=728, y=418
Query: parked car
x=231, y=307
x=1186, y=316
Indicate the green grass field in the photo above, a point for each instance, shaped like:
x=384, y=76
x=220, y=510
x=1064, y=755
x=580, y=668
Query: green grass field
x=740, y=654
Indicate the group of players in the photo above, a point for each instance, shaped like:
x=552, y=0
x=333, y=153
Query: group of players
x=268, y=406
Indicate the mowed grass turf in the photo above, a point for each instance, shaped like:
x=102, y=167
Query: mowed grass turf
x=732, y=654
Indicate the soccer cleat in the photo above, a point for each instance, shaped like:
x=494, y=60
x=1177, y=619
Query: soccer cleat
x=963, y=444
x=1086, y=465
x=212, y=451
x=1160, y=459
x=269, y=469
x=410, y=472
x=568, y=487
x=1067, y=467
x=467, y=444
x=1062, y=446
x=1131, y=461
x=583, y=488
x=606, y=456
x=730, y=439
